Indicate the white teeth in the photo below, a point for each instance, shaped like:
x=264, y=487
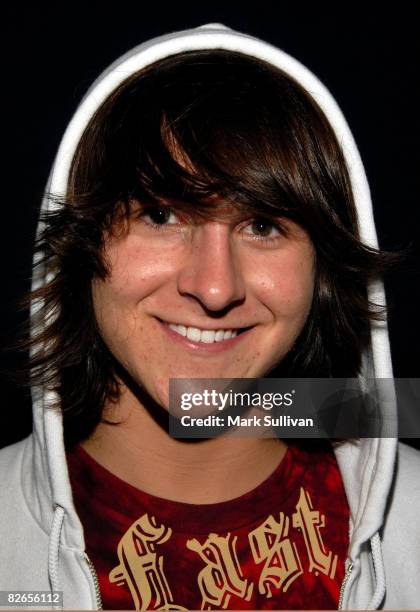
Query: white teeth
x=208, y=336
x=194, y=334
x=182, y=330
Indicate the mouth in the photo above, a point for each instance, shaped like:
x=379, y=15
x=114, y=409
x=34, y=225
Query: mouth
x=201, y=337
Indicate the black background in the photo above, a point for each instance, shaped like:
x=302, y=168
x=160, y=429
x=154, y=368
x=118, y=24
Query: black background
x=369, y=61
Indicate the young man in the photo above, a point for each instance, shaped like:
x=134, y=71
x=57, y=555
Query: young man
x=205, y=218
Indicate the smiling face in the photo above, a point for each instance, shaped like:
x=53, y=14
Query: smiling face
x=194, y=298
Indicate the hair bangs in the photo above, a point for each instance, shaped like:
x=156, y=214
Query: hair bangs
x=214, y=170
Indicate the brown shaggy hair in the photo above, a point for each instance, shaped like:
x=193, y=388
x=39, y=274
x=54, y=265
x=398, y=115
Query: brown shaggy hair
x=187, y=129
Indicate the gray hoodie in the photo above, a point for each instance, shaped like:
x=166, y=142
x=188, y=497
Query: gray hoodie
x=41, y=538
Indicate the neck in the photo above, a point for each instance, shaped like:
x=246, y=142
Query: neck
x=140, y=451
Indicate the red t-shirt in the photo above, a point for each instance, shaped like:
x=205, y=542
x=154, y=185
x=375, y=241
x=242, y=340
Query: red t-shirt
x=279, y=546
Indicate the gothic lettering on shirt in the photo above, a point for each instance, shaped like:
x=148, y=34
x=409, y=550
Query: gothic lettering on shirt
x=269, y=543
x=141, y=566
x=310, y=522
x=222, y=576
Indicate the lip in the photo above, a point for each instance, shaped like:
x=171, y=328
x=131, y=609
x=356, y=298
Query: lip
x=203, y=347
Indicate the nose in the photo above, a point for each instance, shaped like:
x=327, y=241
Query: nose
x=213, y=273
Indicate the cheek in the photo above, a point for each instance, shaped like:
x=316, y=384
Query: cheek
x=135, y=271
x=111, y=313
x=135, y=274
x=286, y=286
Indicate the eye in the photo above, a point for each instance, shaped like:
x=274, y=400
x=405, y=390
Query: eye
x=159, y=216
x=263, y=228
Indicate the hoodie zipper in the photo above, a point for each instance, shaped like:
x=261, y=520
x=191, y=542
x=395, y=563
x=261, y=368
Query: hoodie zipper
x=343, y=585
x=95, y=582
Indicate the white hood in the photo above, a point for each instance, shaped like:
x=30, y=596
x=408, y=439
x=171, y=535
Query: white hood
x=366, y=465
